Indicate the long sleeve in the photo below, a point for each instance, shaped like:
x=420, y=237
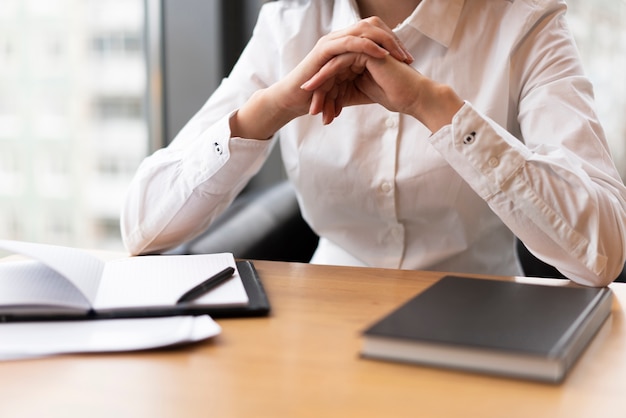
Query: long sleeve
x=171, y=198
x=557, y=189
x=179, y=190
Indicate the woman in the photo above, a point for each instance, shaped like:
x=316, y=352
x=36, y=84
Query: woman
x=438, y=142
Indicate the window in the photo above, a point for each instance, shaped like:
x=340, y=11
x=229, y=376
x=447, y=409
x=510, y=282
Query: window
x=6, y=49
x=119, y=108
x=117, y=43
x=72, y=122
x=600, y=31
x=10, y=176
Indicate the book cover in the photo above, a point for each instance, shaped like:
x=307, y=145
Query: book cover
x=501, y=327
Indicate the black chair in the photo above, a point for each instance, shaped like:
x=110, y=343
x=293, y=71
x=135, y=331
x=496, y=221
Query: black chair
x=534, y=267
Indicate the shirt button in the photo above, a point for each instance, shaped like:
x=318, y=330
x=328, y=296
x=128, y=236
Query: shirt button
x=218, y=148
x=469, y=138
x=493, y=162
x=391, y=122
x=386, y=187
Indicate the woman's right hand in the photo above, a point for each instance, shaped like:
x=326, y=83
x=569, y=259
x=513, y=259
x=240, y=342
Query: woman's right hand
x=271, y=108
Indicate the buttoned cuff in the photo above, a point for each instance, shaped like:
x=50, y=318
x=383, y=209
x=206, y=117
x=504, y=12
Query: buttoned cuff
x=223, y=160
x=481, y=151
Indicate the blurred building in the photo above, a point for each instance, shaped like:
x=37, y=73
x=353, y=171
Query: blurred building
x=72, y=124
x=599, y=27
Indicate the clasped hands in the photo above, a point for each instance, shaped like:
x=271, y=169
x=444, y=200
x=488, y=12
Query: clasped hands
x=367, y=63
x=364, y=63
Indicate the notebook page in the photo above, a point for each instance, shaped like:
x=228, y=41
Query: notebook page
x=28, y=283
x=146, y=281
x=79, y=267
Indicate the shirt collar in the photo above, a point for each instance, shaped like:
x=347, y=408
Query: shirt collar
x=436, y=19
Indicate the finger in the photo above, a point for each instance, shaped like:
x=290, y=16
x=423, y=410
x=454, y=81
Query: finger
x=394, y=45
x=329, y=106
x=329, y=112
x=317, y=102
x=354, y=62
x=376, y=21
x=377, y=31
x=333, y=47
x=340, y=100
x=319, y=96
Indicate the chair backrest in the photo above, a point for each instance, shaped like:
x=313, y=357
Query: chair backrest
x=532, y=266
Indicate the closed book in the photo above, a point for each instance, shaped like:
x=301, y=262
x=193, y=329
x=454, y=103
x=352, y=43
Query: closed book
x=515, y=329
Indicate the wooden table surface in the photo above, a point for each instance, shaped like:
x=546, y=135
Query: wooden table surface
x=303, y=361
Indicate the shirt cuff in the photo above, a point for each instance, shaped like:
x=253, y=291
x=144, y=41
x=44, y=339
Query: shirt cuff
x=481, y=151
x=223, y=160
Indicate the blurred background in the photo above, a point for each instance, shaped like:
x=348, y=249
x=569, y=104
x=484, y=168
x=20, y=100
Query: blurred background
x=88, y=88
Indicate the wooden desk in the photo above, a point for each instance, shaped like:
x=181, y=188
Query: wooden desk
x=303, y=361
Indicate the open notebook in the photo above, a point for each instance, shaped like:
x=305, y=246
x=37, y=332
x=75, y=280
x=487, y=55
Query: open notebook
x=58, y=282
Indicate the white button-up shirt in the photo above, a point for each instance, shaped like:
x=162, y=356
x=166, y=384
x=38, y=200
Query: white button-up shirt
x=524, y=156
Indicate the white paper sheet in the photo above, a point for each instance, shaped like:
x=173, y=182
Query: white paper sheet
x=20, y=340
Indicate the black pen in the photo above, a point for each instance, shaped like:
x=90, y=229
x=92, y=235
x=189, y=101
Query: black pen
x=206, y=285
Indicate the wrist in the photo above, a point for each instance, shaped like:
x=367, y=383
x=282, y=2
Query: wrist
x=260, y=117
x=436, y=106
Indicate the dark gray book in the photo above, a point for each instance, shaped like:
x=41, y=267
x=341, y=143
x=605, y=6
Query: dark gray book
x=506, y=328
